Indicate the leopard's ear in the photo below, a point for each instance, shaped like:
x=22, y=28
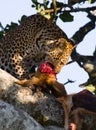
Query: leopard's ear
x=60, y=99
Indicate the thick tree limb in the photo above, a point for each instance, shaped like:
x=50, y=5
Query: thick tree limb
x=81, y=33
x=88, y=63
x=40, y=105
x=12, y=118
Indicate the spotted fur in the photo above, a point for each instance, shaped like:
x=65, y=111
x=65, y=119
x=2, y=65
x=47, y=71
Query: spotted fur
x=36, y=40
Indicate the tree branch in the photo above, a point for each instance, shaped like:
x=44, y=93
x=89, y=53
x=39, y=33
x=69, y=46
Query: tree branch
x=80, y=34
x=69, y=81
x=81, y=9
x=88, y=63
x=88, y=9
x=55, y=10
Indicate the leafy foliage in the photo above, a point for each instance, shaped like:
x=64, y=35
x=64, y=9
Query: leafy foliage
x=8, y=27
x=65, y=15
x=47, y=8
x=62, y=10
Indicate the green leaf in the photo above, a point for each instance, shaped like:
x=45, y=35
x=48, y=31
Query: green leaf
x=9, y=27
x=66, y=17
x=13, y=25
x=33, y=5
x=22, y=18
x=1, y=26
x=1, y=34
x=47, y=3
x=34, y=1
x=58, y=4
x=91, y=88
x=91, y=1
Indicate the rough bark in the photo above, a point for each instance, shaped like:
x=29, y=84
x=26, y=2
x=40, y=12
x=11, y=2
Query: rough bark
x=20, y=105
x=42, y=106
x=15, y=119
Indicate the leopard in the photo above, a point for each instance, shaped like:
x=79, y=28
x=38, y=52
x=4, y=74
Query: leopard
x=34, y=41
